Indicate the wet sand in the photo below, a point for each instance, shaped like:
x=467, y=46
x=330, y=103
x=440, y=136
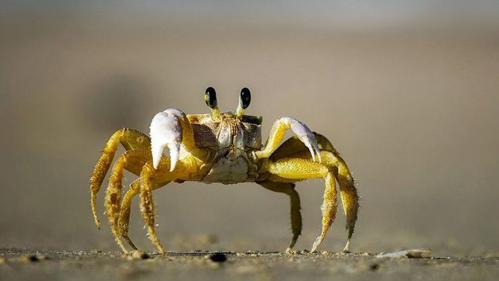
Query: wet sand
x=30, y=264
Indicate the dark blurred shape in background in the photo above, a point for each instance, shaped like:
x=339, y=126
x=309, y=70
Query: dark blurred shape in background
x=407, y=90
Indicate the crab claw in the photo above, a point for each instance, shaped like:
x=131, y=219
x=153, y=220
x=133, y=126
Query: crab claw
x=166, y=131
x=306, y=135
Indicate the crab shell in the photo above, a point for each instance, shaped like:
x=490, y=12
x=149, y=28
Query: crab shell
x=231, y=140
x=218, y=135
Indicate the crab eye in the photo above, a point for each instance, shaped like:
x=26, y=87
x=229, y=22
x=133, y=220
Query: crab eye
x=210, y=97
x=245, y=98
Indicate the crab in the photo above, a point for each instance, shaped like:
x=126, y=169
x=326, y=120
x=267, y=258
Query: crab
x=220, y=147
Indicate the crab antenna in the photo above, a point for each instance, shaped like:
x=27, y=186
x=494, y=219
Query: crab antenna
x=244, y=101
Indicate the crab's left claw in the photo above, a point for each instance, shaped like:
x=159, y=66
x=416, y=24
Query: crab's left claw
x=166, y=131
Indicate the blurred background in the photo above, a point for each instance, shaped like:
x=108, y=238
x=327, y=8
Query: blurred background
x=408, y=91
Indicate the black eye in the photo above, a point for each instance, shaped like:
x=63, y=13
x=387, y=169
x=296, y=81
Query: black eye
x=245, y=98
x=210, y=97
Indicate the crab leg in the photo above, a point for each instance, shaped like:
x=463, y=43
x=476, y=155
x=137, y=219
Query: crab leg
x=119, y=216
x=348, y=192
x=124, y=216
x=278, y=132
x=131, y=160
x=139, y=163
x=293, y=148
x=171, y=129
x=296, y=219
x=150, y=179
x=130, y=139
x=296, y=169
x=329, y=206
x=126, y=203
x=147, y=206
x=113, y=197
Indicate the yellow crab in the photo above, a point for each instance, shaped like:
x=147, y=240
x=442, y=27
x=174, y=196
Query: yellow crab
x=224, y=148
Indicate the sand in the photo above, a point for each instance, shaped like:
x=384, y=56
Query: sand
x=30, y=264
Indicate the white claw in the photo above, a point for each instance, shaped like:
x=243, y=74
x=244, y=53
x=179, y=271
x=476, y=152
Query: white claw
x=174, y=152
x=166, y=131
x=157, y=152
x=305, y=135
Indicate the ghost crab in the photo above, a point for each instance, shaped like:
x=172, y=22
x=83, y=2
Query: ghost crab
x=225, y=148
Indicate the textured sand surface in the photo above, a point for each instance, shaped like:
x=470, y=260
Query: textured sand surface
x=81, y=265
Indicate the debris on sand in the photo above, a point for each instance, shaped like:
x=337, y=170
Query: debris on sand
x=138, y=255
x=411, y=254
x=32, y=258
x=374, y=267
x=218, y=257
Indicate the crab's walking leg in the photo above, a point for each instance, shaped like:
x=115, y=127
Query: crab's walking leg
x=329, y=206
x=150, y=179
x=297, y=169
x=124, y=218
x=293, y=148
x=126, y=203
x=278, y=131
x=296, y=220
x=348, y=192
x=147, y=205
x=130, y=139
x=113, y=197
x=131, y=160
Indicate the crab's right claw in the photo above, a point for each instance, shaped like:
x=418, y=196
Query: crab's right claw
x=166, y=131
x=306, y=135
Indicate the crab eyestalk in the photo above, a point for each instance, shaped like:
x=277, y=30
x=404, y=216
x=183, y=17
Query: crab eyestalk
x=210, y=97
x=244, y=101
